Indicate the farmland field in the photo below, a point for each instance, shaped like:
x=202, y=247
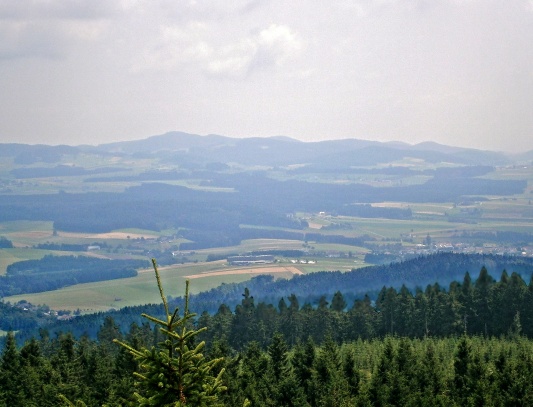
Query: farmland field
x=185, y=209
x=142, y=289
x=99, y=296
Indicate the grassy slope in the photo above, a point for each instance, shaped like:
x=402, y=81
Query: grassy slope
x=104, y=295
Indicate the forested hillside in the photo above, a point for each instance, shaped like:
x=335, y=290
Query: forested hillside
x=466, y=346
x=410, y=285
x=455, y=371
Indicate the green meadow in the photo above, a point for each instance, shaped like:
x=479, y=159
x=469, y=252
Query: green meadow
x=105, y=295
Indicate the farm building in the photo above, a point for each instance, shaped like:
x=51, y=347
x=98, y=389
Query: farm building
x=244, y=260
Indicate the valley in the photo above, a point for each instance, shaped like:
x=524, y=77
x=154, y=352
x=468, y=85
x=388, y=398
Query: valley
x=192, y=201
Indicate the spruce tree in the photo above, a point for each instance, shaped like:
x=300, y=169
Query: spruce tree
x=338, y=303
x=290, y=321
x=483, y=306
x=244, y=327
x=278, y=352
x=351, y=374
x=461, y=383
x=302, y=362
x=10, y=380
x=175, y=372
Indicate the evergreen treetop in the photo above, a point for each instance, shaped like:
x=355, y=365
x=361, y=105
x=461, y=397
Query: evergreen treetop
x=175, y=372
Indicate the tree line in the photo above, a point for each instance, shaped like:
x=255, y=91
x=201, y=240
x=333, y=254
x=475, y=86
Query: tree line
x=481, y=307
x=54, y=272
x=5, y=243
x=441, y=274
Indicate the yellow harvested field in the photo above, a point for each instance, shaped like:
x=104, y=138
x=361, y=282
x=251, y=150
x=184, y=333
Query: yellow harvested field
x=255, y=270
x=30, y=234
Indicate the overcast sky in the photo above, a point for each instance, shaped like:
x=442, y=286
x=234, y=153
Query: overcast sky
x=457, y=72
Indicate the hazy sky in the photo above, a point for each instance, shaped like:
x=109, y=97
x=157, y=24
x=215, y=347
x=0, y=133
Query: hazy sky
x=457, y=72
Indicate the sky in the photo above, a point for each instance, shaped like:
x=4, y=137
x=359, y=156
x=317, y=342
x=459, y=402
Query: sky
x=455, y=72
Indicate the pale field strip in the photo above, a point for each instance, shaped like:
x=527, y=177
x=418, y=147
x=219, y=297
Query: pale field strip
x=254, y=244
x=39, y=234
x=254, y=270
x=110, y=235
x=313, y=225
x=390, y=204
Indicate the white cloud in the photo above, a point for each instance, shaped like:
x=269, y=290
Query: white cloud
x=20, y=39
x=198, y=46
x=58, y=9
x=44, y=29
x=232, y=60
x=279, y=42
x=172, y=46
x=271, y=47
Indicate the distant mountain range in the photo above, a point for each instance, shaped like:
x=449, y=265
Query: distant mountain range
x=286, y=151
x=271, y=151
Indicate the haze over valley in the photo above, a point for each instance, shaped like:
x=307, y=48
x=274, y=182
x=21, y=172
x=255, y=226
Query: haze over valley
x=194, y=202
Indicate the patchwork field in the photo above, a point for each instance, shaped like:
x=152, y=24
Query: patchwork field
x=442, y=221
x=142, y=289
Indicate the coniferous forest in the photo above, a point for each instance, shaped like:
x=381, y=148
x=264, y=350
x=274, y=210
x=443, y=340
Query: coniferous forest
x=468, y=345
